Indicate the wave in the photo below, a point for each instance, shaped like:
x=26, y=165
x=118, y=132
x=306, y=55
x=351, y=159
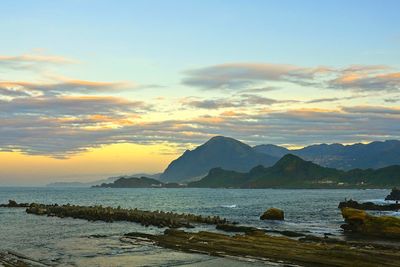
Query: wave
x=229, y=206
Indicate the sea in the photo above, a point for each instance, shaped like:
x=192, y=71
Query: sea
x=75, y=242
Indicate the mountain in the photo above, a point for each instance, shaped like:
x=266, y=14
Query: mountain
x=134, y=182
x=373, y=155
x=272, y=150
x=219, y=151
x=230, y=154
x=293, y=172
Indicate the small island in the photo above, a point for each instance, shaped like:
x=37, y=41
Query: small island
x=142, y=182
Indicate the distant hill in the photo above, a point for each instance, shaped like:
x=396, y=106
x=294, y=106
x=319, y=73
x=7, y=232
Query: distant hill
x=293, y=172
x=98, y=182
x=135, y=182
x=373, y=155
x=219, y=151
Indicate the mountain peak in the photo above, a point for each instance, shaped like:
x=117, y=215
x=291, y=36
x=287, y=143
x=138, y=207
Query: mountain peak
x=290, y=157
x=222, y=139
x=219, y=151
x=291, y=161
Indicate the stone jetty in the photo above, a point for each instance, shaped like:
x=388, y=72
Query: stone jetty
x=110, y=214
x=14, y=204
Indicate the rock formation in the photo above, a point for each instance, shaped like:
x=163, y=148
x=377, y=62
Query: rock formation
x=394, y=195
x=359, y=221
x=368, y=206
x=273, y=214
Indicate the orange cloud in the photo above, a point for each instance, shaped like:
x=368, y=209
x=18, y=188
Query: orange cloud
x=37, y=58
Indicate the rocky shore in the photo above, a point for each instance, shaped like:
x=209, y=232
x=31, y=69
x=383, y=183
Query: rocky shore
x=259, y=246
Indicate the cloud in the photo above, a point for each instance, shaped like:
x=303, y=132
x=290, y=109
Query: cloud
x=392, y=100
x=12, y=92
x=241, y=101
x=63, y=116
x=373, y=110
x=252, y=100
x=36, y=58
x=66, y=132
x=389, y=82
x=63, y=87
x=333, y=99
x=32, y=61
x=260, y=90
x=210, y=103
x=302, y=126
x=64, y=125
x=244, y=76
x=69, y=105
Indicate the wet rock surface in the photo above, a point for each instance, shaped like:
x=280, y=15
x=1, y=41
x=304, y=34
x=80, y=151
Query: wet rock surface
x=14, y=259
x=260, y=246
x=360, y=222
x=368, y=206
x=273, y=214
x=236, y=228
x=248, y=229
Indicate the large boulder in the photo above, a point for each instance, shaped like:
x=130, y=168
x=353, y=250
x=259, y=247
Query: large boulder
x=273, y=214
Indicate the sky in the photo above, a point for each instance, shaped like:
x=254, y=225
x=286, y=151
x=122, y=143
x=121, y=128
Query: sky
x=91, y=89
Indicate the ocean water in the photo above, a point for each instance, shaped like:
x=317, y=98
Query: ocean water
x=70, y=242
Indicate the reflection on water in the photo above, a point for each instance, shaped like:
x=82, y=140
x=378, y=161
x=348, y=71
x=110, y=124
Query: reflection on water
x=70, y=242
